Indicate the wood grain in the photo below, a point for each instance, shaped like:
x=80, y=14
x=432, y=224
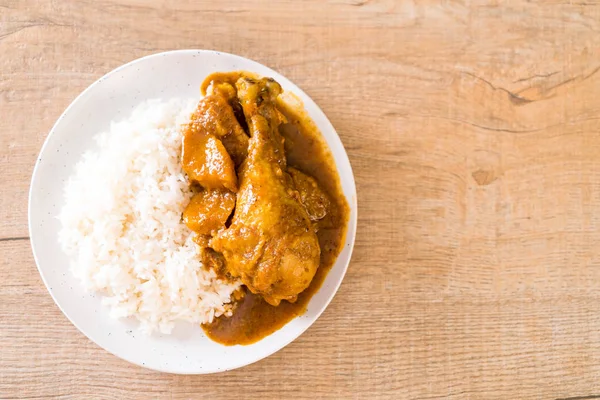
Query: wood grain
x=474, y=132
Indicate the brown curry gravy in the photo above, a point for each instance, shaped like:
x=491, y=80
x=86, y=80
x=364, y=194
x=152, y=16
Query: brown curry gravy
x=306, y=150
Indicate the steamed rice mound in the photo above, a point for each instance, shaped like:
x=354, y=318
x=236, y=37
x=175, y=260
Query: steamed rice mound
x=122, y=228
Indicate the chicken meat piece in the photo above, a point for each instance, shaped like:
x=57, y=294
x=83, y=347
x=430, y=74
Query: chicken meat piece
x=214, y=144
x=213, y=261
x=229, y=92
x=208, y=211
x=312, y=197
x=270, y=244
x=215, y=115
x=225, y=89
x=206, y=162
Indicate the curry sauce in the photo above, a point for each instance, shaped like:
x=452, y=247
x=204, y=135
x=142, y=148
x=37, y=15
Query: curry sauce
x=305, y=149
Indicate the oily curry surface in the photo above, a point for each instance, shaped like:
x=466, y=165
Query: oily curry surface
x=295, y=146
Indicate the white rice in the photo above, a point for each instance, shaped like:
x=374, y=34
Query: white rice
x=122, y=229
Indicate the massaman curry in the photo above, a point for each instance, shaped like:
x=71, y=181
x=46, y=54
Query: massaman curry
x=268, y=208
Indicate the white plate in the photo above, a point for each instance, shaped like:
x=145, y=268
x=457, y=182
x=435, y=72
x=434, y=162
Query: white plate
x=164, y=75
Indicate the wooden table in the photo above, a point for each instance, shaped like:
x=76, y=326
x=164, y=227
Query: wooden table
x=474, y=133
